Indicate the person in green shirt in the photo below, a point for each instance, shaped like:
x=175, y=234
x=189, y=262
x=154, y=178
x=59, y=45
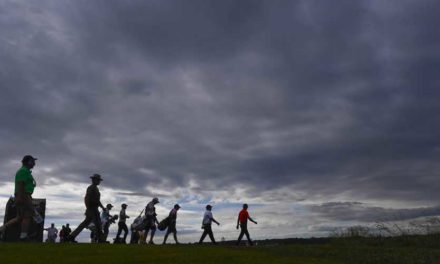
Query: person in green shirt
x=24, y=187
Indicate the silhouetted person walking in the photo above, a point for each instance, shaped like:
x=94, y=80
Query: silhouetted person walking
x=106, y=220
x=92, y=202
x=242, y=220
x=122, y=225
x=172, y=224
x=206, y=225
x=24, y=187
x=151, y=219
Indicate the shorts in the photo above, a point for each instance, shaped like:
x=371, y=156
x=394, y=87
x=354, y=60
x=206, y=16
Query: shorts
x=150, y=223
x=172, y=228
x=25, y=209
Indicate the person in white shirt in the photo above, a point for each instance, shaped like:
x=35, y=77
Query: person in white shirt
x=122, y=225
x=52, y=233
x=206, y=225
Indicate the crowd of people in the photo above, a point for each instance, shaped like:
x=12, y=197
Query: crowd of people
x=99, y=222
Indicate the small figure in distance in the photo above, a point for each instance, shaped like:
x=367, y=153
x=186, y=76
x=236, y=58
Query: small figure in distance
x=52, y=233
x=243, y=217
x=172, y=224
x=206, y=225
x=67, y=230
x=122, y=225
x=24, y=187
x=62, y=233
x=92, y=201
x=151, y=219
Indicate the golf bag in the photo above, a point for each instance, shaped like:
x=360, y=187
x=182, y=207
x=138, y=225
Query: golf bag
x=164, y=224
x=138, y=223
x=36, y=227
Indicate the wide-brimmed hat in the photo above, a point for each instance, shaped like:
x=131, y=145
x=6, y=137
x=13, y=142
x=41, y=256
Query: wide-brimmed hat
x=96, y=176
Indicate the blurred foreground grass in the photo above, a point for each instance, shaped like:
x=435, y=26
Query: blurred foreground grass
x=343, y=250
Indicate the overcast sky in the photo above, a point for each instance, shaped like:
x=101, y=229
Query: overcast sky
x=317, y=113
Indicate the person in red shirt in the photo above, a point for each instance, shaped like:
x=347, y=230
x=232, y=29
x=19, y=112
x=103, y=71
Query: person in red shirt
x=243, y=217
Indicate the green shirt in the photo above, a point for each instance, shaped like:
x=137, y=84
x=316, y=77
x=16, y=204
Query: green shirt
x=24, y=174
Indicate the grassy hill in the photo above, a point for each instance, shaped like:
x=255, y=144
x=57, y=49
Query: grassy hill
x=343, y=250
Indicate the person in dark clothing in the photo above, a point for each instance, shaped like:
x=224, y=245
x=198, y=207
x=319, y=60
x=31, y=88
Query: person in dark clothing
x=122, y=225
x=62, y=234
x=243, y=217
x=206, y=225
x=172, y=217
x=151, y=219
x=92, y=202
x=67, y=230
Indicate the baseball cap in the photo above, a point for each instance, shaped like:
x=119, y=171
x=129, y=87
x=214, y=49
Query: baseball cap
x=28, y=158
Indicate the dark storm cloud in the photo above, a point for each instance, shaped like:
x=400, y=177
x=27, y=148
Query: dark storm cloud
x=316, y=96
x=355, y=211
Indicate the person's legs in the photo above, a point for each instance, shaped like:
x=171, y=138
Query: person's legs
x=166, y=236
x=119, y=231
x=25, y=210
x=175, y=236
x=81, y=226
x=205, y=232
x=147, y=229
x=240, y=236
x=98, y=225
x=25, y=226
x=211, y=236
x=106, y=231
x=248, y=237
x=153, y=231
x=125, y=228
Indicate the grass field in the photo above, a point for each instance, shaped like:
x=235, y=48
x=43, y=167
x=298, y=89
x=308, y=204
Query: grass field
x=350, y=251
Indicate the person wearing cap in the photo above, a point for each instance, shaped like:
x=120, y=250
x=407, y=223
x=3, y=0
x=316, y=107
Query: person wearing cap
x=243, y=217
x=151, y=219
x=106, y=220
x=92, y=201
x=24, y=187
x=172, y=224
x=122, y=224
x=206, y=225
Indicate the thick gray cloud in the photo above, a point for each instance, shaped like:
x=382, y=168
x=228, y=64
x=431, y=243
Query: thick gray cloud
x=355, y=211
x=318, y=97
